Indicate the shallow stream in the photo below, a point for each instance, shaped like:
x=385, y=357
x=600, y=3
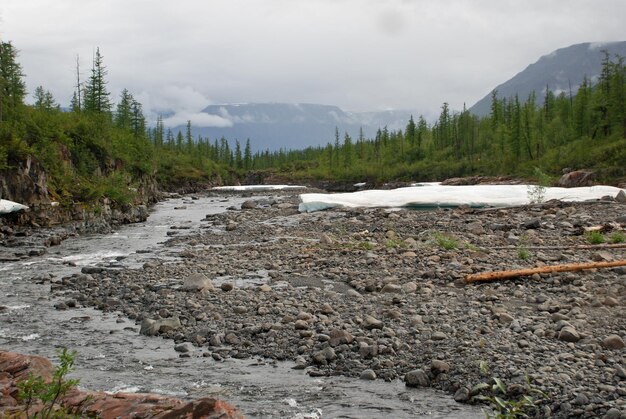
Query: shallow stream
x=112, y=356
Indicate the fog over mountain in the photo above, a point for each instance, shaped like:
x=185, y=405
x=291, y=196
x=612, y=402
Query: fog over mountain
x=293, y=126
x=560, y=70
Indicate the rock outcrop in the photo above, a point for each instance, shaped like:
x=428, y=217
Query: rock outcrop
x=15, y=368
x=576, y=179
x=27, y=184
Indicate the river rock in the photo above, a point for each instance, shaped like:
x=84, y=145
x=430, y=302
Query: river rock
x=417, y=378
x=338, y=337
x=613, y=413
x=371, y=322
x=368, y=375
x=249, y=204
x=576, y=179
x=621, y=197
x=391, y=289
x=184, y=347
x=198, y=282
x=569, y=334
x=613, y=342
x=324, y=356
x=438, y=367
x=462, y=395
x=150, y=327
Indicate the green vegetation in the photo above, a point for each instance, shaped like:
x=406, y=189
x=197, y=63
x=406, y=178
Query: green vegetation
x=496, y=394
x=98, y=148
x=617, y=237
x=504, y=408
x=523, y=253
x=537, y=192
x=445, y=241
x=35, y=389
x=522, y=248
x=595, y=237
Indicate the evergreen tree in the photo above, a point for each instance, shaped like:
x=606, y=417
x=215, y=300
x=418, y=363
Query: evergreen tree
x=188, y=137
x=411, y=132
x=44, y=100
x=12, y=86
x=123, y=114
x=347, y=151
x=238, y=156
x=158, y=131
x=138, y=121
x=247, y=156
x=96, y=96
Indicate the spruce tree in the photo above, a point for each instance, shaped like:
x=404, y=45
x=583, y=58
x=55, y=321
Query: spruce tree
x=96, y=95
x=12, y=86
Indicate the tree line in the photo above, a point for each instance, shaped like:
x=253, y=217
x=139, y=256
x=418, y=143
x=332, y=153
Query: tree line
x=582, y=130
x=100, y=148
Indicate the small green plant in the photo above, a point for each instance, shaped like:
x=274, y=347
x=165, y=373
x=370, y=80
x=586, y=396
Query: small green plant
x=483, y=366
x=503, y=408
x=471, y=247
x=523, y=253
x=35, y=389
x=595, y=237
x=445, y=241
x=618, y=237
x=394, y=243
x=522, y=248
x=537, y=193
x=366, y=245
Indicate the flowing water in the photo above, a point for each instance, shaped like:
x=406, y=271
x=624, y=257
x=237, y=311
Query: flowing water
x=112, y=356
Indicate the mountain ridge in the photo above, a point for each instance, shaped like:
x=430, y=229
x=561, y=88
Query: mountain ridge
x=561, y=70
x=277, y=125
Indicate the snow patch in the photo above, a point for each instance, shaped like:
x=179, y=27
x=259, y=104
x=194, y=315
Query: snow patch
x=257, y=188
x=7, y=206
x=437, y=195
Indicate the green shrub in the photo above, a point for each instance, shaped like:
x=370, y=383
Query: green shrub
x=618, y=237
x=595, y=237
x=35, y=389
x=502, y=407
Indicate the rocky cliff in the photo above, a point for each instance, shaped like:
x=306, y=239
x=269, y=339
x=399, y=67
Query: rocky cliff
x=27, y=183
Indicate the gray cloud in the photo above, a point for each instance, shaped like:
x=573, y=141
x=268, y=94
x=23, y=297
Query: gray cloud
x=357, y=54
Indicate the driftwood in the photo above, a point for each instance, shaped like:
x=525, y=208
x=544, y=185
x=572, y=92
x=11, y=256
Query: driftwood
x=573, y=246
x=569, y=267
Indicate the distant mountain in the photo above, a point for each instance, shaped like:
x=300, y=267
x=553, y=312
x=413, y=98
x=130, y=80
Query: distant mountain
x=558, y=70
x=294, y=126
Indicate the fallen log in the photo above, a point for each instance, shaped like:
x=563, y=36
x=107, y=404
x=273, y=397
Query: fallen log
x=568, y=267
x=573, y=246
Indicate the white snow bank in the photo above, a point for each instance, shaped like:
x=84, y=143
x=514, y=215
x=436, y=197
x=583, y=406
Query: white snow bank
x=257, y=188
x=7, y=206
x=437, y=195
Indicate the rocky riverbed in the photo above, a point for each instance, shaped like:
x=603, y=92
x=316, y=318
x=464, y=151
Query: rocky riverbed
x=380, y=294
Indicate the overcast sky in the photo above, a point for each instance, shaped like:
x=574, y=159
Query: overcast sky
x=360, y=55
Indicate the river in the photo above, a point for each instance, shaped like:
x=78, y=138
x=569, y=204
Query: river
x=112, y=356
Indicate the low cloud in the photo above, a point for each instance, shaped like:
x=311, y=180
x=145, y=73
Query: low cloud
x=198, y=119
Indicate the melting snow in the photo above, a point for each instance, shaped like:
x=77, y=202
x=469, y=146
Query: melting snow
x=437, y=195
